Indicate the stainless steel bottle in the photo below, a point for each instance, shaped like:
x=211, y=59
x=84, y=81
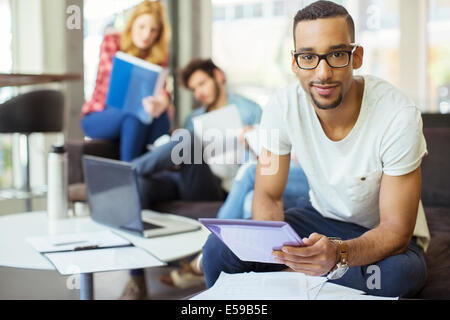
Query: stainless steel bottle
x=57, y=183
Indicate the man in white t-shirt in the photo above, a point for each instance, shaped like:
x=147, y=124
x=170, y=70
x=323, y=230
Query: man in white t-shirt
x=360, y=143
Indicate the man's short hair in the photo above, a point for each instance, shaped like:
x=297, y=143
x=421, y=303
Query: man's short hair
x=205, y=65
x=324, y=9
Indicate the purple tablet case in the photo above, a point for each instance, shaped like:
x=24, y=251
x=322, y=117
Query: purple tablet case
x=252, y=240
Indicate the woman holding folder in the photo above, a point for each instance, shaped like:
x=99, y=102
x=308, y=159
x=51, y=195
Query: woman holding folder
x=146, y=36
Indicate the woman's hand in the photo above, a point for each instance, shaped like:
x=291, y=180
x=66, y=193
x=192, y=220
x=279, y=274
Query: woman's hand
x=156, y=105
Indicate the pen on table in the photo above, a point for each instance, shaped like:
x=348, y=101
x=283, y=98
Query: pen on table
x=68, y=243
x=95, y=246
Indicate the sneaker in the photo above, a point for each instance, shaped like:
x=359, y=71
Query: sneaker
x=136, y=289
x=183, y=278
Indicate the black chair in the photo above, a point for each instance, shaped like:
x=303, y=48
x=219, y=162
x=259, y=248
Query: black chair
x=33, y=112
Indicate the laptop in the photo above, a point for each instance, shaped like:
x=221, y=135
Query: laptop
x=113, y=197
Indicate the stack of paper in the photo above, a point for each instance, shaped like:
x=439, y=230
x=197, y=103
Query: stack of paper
x=72, y=241
x=101, y=260
x=89, y=252
x=278, y=286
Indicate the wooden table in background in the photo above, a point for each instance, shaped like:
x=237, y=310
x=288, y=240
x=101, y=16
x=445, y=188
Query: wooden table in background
x=24, y=79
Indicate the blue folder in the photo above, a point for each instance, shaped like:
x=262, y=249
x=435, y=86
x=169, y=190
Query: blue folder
x=133, y=79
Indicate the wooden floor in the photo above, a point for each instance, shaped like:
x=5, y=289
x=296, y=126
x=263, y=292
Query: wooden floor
x=26, y=284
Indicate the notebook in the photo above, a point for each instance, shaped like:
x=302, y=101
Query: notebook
x=252, y=240
x=133, y=79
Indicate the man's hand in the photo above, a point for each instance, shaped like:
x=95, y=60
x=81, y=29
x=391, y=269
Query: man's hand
x=156, y=105
x=317, y=258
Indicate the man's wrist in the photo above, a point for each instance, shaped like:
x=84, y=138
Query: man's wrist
x=341, y=252
x=336, y=260
x=341, y=265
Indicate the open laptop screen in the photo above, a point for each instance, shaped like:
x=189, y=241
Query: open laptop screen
x=112, y=193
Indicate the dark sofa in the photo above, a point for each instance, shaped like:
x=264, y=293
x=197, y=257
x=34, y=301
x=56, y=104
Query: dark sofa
x=435, y=197
x=436, y=201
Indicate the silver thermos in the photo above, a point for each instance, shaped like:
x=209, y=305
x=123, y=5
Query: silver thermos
x=57, y=183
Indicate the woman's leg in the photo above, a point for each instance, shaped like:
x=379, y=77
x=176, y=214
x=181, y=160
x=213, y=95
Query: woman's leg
x=158, y=128
x=104, y=124
x=133, y=138
x=113, y=124
x=135, y=135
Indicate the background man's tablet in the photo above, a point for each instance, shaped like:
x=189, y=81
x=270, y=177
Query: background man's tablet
x=252, y=240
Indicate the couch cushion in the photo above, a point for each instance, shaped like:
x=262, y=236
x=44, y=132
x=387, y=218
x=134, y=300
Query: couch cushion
x=435, y=168
x=438, y=255
x=191, y=209
x=96, y=147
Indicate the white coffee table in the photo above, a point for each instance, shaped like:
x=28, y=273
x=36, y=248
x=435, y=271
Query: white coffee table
x=16, y=252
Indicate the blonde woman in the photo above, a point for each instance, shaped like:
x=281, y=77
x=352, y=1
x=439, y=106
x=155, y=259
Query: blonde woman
x=146, y=36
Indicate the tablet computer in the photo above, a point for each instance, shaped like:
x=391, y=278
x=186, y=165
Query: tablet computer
x=252, y=240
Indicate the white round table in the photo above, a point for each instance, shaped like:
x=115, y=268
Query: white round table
x=16, y=252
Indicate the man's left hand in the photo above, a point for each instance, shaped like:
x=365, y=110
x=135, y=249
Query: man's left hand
x=317, y=258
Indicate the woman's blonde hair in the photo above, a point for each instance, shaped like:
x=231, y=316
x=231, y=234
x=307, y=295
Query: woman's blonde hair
x=159, y=51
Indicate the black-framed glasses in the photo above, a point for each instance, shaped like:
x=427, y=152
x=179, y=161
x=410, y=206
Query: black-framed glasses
x=335, y=59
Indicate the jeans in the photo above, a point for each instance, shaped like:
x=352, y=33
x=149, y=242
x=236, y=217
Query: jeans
x=238, y=204
x=134, y=136
x=402, y=275
x=190, y=182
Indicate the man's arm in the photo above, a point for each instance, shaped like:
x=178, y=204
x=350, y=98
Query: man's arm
x=271, y=177
x=399, y=201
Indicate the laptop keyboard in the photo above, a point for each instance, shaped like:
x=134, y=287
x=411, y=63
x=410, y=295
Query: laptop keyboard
x=150, y=226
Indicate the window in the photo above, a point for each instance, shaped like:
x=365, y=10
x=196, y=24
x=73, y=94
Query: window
x=5, y=93
x=255, y=53
x=378, y=31
x=100, y=16
x=220, y=13
x=257, y=10
x=278, y=8
x=239, y=12
x=439, y=56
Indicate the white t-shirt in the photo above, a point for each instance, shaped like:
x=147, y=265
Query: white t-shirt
x=345, y=176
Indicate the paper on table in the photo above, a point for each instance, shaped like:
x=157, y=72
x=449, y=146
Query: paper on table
x=100, y=260
x=70, y=241
x=279, y=286
x=319, y=288
x=257, y=286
